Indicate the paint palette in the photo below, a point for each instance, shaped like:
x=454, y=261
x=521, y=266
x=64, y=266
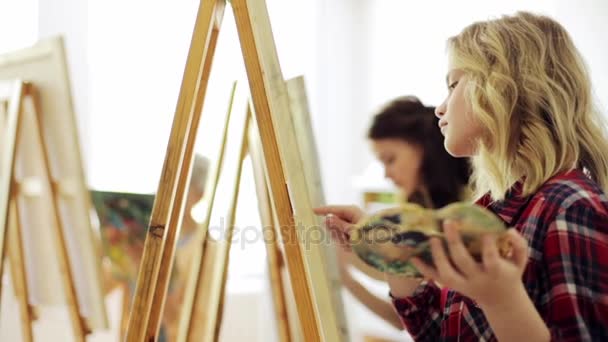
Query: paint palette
x=388, y=239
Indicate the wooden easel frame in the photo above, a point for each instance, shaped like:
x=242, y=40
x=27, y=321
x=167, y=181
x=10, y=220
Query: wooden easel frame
x=201, y=315
x=55, y=180
x=309, y=280
x=10, y=192
x=286, y=324
x=9, y=226
x=202, y=307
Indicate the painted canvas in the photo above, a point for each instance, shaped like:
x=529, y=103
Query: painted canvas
x=123, y=222
x=123, y=219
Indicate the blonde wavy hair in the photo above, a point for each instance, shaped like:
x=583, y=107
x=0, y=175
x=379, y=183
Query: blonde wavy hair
x=530, y=89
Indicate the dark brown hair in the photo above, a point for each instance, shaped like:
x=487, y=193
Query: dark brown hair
x=444, y=177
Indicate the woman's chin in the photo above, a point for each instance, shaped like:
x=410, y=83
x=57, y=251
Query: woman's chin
x=456, y=150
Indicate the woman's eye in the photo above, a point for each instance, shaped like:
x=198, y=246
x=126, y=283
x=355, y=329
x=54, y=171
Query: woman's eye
x=453, y=85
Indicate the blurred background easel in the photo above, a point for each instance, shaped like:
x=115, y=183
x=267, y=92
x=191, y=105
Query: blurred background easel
x=43, y=195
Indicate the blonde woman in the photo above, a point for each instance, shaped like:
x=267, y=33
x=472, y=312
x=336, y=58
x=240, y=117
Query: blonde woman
x=519, y=103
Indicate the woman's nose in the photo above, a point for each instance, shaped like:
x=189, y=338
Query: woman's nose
x=440, y=110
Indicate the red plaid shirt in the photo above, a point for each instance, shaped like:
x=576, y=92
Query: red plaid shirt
x=566, y=225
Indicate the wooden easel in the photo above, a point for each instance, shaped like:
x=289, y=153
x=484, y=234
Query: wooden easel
x=8, y=210
x=202, y=307
x=203, y=301
x=20, y=114
x=43, y=175
x=313, y=289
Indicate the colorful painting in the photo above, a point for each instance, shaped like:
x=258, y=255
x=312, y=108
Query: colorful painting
x=123, y=219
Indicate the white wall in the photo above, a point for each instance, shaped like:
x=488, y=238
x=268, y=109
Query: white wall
x=69, y=18
x=20, y=17
x=341, y=92
x=586, y=22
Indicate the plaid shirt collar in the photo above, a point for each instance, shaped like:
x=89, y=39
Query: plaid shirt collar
x=510, y=207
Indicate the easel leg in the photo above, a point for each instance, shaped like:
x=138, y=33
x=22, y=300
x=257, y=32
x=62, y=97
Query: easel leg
x=206, y=317
x=183, y=181
x=126, y=304
x=79, y=326
x=191, y=286
x=269, y=232
x=18, y=273
x=231, y=222
x=160, y=241
x=269, y=96
x=7, y=163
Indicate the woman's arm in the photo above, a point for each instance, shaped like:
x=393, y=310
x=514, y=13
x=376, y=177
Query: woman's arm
x=378, y=306
x=517, y=311
x=418, y=304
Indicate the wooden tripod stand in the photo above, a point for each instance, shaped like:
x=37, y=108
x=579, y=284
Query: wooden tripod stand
x=315, y=288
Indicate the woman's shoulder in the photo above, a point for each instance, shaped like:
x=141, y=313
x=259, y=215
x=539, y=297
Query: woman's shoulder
x=571, y=186
x=571, y=192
